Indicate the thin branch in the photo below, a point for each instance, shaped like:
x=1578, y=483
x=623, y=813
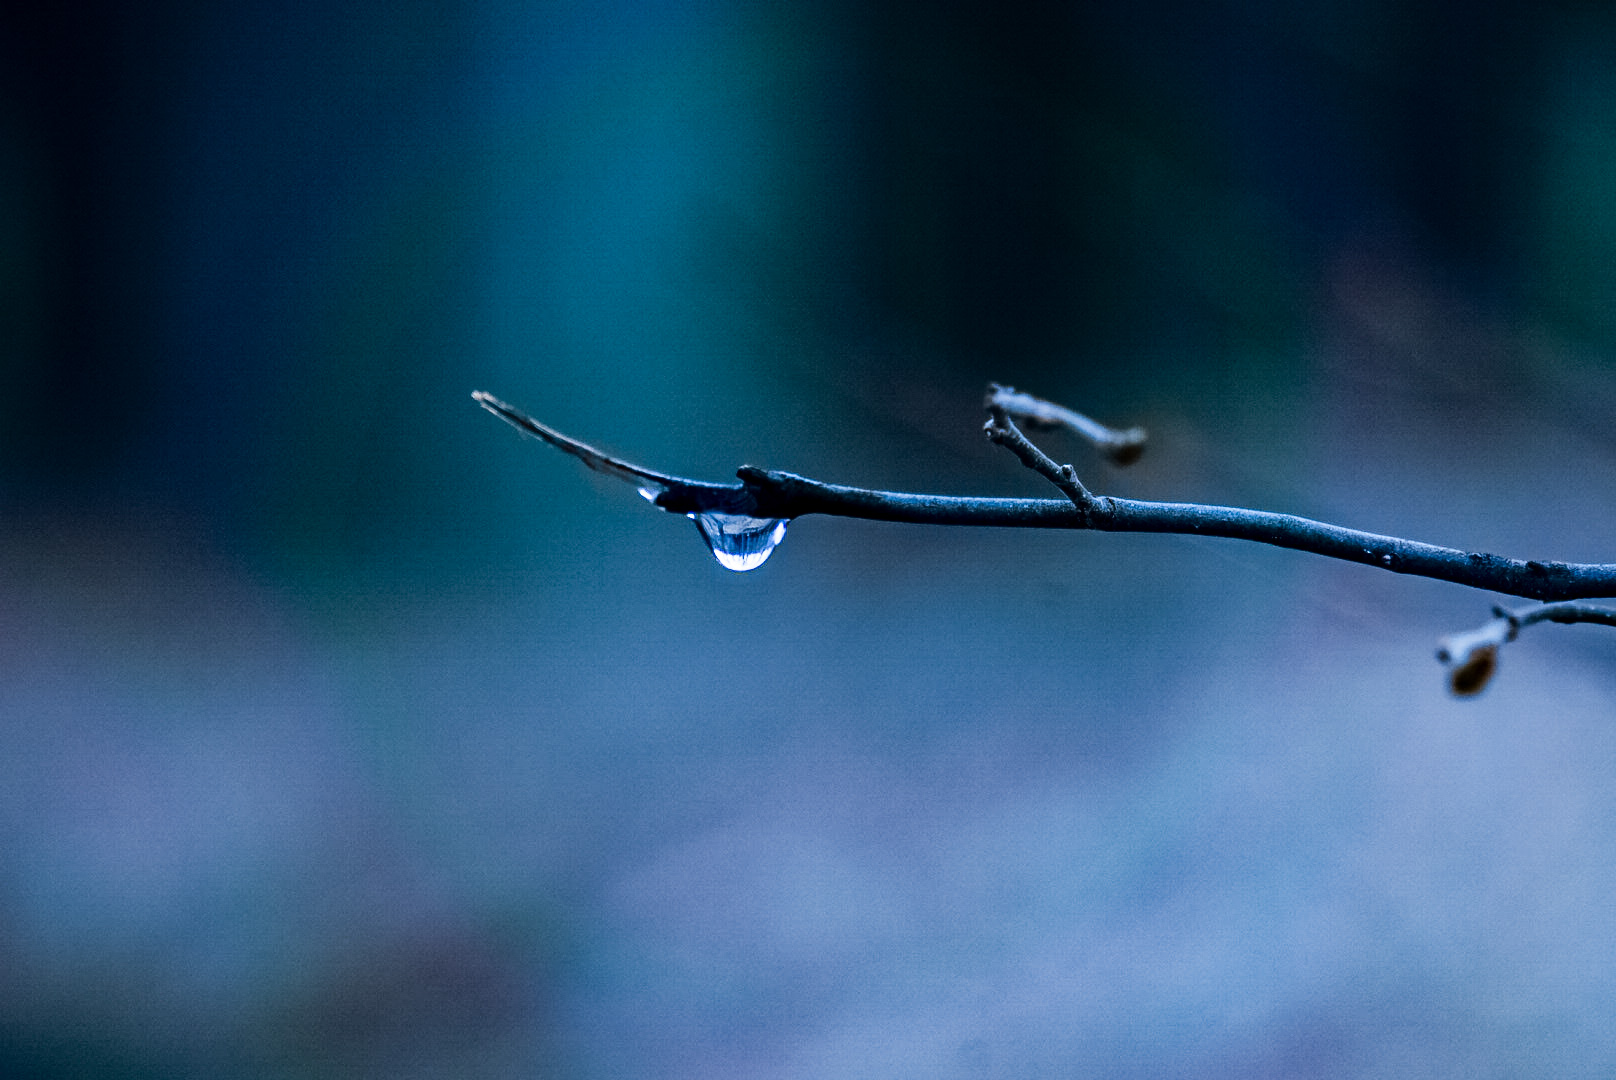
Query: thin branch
x=673, y=493
x=598, y=460
x=1000, y=429
x=1472, y=657
x=767, y=493
x=1122, y=447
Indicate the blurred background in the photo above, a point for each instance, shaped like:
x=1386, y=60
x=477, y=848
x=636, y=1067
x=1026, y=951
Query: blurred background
x=344, y=733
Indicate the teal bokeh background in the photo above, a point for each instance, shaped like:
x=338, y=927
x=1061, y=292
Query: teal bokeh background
x=348, y=734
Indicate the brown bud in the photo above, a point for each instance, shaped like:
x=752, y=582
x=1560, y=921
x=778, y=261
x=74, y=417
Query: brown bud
x=1469, y=674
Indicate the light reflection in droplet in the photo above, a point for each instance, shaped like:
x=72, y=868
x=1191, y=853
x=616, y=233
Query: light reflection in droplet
x=737, y=541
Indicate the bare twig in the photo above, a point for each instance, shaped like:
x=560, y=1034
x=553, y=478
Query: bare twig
x=1472, y=657
x=673, y=493
x=598, y=460
x=767, y=493
x=1000, y=429
x=1122, y=447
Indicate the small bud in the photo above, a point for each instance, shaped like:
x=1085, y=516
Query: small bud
x=1469, y=674
x=1125, y=454
x=1125, y=447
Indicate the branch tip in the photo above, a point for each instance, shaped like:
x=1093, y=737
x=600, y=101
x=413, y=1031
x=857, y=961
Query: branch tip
x=1472, y=657
x=1471, y=677
x=1122, y=448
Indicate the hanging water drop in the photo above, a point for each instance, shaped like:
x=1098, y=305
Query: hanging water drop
x=737, y=541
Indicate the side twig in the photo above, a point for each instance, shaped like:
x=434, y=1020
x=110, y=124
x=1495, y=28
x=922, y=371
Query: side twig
x=1472, y=657
x=1122, y=447
x=1001, y=430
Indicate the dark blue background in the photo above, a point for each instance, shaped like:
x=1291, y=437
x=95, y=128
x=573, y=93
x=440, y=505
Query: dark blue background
x=347, y=734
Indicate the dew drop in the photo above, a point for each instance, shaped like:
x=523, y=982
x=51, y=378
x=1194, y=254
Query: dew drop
x=739, y=542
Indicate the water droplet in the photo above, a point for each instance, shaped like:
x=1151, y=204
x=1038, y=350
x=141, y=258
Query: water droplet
x=739, y=542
